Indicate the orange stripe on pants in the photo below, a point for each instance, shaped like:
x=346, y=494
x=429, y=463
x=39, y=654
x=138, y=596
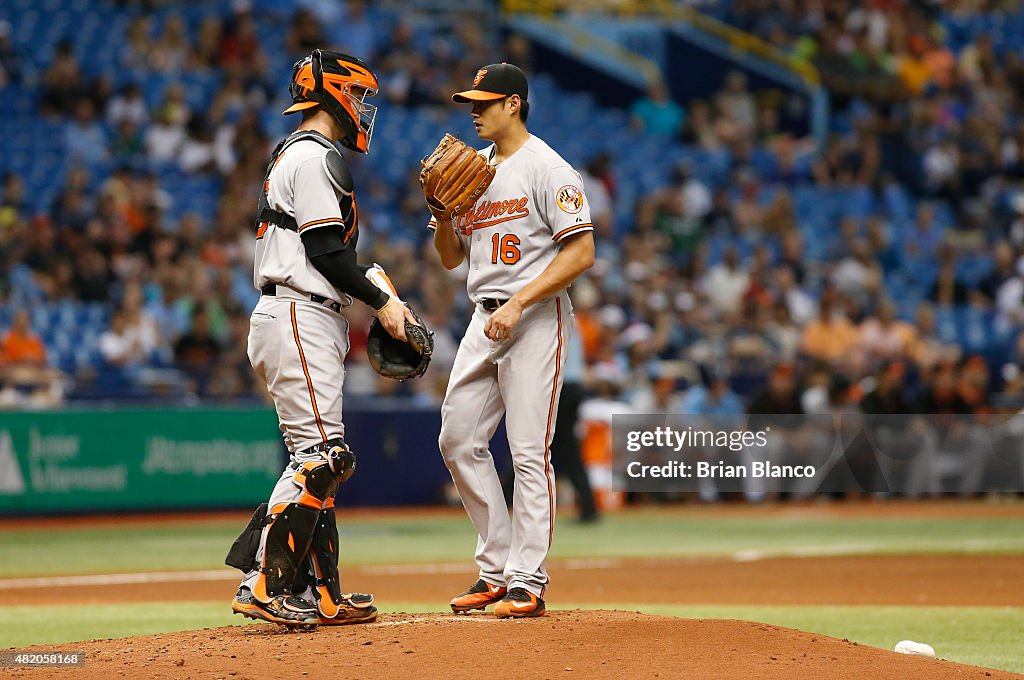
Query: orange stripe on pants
x=305, y=371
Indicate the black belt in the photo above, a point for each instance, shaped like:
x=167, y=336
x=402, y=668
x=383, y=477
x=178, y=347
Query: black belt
x=271, y=290
x=491, y=304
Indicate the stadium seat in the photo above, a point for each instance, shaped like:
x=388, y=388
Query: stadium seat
x=33, y=148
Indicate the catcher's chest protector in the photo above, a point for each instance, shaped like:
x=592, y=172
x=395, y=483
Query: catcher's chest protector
x=341, y=178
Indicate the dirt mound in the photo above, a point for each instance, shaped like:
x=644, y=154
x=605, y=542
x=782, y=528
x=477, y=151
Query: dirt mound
x=564, y=644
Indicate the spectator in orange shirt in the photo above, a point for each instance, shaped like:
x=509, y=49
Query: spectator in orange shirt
x=941, y=64
x=585, y=298
x=912, y=68
x=28, y=381
x=831, y=337
x=20, y=345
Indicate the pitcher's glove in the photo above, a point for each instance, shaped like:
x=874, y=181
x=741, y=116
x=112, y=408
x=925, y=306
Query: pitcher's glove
x=396, y=359
x=454, y=177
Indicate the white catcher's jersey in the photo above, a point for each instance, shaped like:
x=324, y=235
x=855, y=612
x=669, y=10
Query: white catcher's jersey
x=300, y=185
x=511, y=235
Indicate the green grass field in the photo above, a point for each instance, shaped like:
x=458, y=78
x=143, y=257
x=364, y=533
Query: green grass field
x=986, y=636
x=451, y=538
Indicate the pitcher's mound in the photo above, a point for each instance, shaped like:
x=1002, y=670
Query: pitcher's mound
x=563, y=644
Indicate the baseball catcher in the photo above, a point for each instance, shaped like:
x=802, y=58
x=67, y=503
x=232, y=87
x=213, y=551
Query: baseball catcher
x=306, y=269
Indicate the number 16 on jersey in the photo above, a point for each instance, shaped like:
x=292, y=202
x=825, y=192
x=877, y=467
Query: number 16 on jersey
x=505, y=247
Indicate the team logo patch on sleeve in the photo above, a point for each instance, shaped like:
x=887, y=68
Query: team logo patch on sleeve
x=570, y=199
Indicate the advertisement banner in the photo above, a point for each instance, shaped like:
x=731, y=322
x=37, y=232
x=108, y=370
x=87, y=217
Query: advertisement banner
x=137, y=459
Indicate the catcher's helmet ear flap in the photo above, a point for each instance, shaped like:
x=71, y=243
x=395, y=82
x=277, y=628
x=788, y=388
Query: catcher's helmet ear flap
x=341, y=84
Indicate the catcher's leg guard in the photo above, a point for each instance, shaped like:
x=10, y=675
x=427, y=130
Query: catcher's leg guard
x=289, y=530
x=323, y=557
x=319, y=572
x=336, y=608
x=284, y=609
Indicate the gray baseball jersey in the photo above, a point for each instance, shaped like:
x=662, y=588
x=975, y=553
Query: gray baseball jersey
x=511, y=235
x=300, y=185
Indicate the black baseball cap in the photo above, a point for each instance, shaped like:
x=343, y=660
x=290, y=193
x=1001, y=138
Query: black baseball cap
x=495, y=82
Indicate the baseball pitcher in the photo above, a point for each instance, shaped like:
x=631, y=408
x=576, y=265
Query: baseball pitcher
x=526, y=236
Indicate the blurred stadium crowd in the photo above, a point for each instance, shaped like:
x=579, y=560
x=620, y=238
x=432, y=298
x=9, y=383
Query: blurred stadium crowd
x=741, y=268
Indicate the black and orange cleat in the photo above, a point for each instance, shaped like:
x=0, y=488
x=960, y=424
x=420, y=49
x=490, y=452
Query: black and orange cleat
x=354, y=608
x=479, y=596
x=519, y=603
x=287, y=610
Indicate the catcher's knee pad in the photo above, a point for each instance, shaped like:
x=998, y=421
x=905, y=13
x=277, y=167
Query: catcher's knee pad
x=342, y=459
x=338, y=456
x=318, y=483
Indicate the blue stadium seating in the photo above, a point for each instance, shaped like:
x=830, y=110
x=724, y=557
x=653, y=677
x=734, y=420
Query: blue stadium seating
x=571, y=122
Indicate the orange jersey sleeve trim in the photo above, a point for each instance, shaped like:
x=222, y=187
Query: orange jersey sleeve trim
x=572, y=230
x=322, y=223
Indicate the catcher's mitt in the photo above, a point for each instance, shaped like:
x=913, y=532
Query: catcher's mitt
x=454, y=176
x=396, y=359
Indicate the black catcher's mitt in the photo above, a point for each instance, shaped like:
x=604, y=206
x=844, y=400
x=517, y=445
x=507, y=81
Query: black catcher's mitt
x=396, y=359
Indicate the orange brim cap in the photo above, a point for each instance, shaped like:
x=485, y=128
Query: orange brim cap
x=476, y=96
x=299, y=106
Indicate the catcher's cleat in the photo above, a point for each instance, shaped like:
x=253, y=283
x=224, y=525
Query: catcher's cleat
x=479, y=596
x=519, y=603
x=352, y=610
x=359, y=600
x=287, y=610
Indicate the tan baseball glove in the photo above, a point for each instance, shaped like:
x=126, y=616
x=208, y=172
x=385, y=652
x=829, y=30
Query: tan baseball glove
x=454, y=176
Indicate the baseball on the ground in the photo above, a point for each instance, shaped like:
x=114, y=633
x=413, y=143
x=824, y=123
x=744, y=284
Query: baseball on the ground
x=916, y=648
